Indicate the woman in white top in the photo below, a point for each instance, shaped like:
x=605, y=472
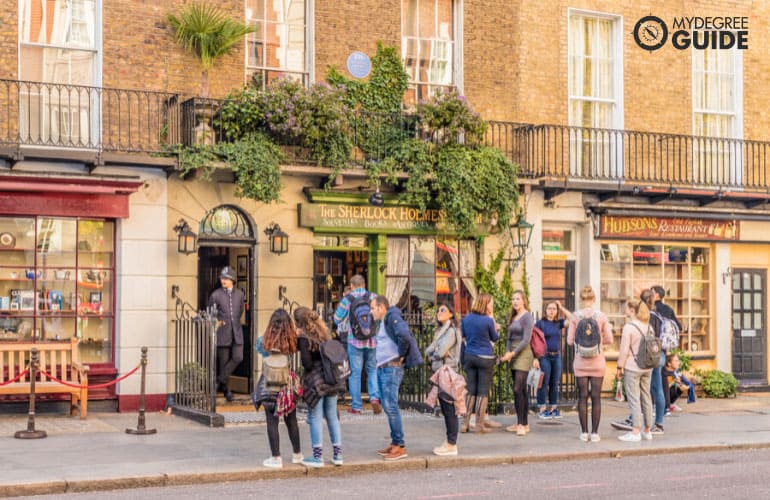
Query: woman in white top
x=635, y=380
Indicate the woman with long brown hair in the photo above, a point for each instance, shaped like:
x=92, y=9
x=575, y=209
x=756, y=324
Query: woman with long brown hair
x=312, y=333
x=280, y=339
x=636, y=380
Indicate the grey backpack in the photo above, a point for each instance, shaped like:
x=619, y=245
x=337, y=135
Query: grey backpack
x=648, y=354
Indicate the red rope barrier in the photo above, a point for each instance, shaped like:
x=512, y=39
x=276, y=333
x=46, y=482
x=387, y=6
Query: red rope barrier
x=16, y=378
x=97, y=386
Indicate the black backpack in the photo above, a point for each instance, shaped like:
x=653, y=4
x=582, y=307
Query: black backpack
x=588, y=337
x=334, y=359
x=650, y=347
x=360, y=317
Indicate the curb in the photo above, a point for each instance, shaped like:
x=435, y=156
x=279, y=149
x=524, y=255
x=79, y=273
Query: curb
x=296, y=471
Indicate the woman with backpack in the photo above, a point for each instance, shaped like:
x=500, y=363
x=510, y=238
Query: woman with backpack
x=312, y=333
x=279, y=341
x=588, y=331
x=636, y=380
x=519, y=350
x=552, y=326
x=445, y=351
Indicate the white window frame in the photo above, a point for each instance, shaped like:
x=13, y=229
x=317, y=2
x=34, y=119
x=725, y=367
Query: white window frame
x=308, y=75
x=457, y=75
x=728, y=153
x=580, y=139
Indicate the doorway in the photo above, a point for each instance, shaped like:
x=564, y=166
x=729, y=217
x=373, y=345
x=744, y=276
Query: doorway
x=749, y=330
x=332, y=271
x=559, y=281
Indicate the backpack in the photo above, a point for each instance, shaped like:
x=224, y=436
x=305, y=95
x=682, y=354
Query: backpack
x=588, y=336
x=669, y=333
x=537, y=342
x=360, y=317
x=275, y=369
x=648, y=354
x=334, y=358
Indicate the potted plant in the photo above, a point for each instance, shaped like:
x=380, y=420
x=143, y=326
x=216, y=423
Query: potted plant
x=207, y=32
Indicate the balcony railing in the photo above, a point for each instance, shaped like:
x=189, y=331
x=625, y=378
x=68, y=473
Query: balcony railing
x=626, y=156
x=87, y=118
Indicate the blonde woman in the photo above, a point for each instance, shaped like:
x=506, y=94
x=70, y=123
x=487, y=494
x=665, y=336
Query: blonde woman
x=635, y=380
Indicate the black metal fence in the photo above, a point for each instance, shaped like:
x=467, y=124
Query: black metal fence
x=416, y=385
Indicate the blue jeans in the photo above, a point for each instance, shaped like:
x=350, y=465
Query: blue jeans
x=656, y=390
x=690, y=389
x=360, y=359
x=326, y=408
x=390, y=378
x=551, y=367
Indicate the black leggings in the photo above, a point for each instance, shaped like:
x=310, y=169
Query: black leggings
x=478, y=372
x=596, y=402
x=272, y=430
x=450, y=419
x=520, y=396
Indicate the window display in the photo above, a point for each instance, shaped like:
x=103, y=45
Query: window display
x=57, y=281
x=682, y=270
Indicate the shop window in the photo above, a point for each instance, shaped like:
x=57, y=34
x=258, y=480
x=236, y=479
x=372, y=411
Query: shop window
x=424, y=270
x=57, y=281
x=557, y=240
x=682, y=270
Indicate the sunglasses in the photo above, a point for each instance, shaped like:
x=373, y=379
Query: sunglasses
x=443, y=310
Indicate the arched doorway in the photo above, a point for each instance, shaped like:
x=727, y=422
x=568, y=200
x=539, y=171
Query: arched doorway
x=227, y=237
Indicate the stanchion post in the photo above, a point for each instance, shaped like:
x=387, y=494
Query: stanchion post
x=31, y=433
x=140, y=427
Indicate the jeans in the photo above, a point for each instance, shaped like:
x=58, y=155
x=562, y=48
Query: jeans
x=389, y=378
x=656, y=390
x=360, y=359
x=326, y=408
x=551, y=366
x=450, y=420
x=637, y=386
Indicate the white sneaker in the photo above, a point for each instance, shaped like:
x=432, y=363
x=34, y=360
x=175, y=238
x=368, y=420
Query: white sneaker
x=273, y=463
x=445, y=450
x=296, y=458
x=647, y=436
x=675, y=407
x=595, y=438
x=630, y=437
x=584, y=437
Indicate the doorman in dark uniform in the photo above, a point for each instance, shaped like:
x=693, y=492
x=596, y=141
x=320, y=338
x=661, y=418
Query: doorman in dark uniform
x=229, y=302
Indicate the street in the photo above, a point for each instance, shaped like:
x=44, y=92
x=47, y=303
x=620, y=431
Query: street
x=718, y=475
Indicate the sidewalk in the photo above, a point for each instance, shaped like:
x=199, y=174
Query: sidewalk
x=97, y=454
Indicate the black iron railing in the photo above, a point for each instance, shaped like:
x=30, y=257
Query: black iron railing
x=90, y=118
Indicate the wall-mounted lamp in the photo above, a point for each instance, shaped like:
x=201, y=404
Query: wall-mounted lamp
x=187, y=240
x=521, y=234
x=726, y=275
x=376, y=199
x=279, y=241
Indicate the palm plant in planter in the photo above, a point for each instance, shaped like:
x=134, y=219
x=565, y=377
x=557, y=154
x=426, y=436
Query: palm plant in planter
x=207, y=32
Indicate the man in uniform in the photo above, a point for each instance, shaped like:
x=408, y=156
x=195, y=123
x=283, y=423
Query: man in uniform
x=229, y=301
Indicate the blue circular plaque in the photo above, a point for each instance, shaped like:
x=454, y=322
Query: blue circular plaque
x=359, y=64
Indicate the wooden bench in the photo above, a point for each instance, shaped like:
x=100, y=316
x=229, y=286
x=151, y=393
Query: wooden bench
x=60, y=359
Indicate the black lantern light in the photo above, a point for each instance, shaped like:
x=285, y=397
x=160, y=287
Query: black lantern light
x=521, y=234
x=279, y=241
x=187, y=240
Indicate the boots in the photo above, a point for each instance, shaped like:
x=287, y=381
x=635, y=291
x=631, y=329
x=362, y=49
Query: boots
x=488, y=422
x=481, y=415
x=470, y=404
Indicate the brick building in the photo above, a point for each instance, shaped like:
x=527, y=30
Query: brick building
x=622, y=188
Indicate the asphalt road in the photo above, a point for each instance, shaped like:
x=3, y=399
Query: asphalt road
x=718, y=475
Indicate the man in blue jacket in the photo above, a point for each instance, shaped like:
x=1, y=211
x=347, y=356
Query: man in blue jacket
x=396, y=349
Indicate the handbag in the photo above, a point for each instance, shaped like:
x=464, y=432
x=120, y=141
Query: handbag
x=537, y=342
x=535, y=378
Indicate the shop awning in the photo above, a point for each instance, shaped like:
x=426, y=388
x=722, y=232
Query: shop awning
x=65, y=196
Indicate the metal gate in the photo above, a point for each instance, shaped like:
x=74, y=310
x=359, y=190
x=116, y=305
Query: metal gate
x=195, y=356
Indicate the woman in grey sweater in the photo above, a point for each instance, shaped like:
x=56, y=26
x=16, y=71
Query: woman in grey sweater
x=521, y=357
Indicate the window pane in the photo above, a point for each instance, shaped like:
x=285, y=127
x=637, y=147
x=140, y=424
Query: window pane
x=423, y=256
x=444, y=19
x=56, y=242
x=95, y=243
x=95, y=333
x=69, y=23
x=279, y=42
x=94, y=292
x=736, y=321
x=409, y=9
x=757, y=282
x=758, y=320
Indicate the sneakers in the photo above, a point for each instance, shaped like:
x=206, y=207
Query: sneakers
x=273, y=463
x=521, y=431
x=396, y=453
x=584, y=437
x=337, y=460
x=675, y=407
x=385, y=451
x=353, y=411
x=445, y=449
x=296, y=458
x=376, y=406
x=545, y=415
x=555, y=413
x=630, y=437
x=657, y=429
x=668, y=412
x=647, y=436
x=595, y=438
x=315, y=463
x=623, y=425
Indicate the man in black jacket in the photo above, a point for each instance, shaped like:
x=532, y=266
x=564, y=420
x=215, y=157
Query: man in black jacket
x=229, y=301
x=664, y=309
